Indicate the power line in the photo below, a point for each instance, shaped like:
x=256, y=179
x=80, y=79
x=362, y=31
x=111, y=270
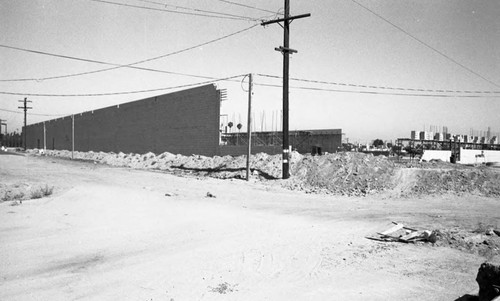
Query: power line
x=382, y=93
x=17, y=112
x=248, y=6
x=239, y=18
x=117, y=66
x=193, y=9
x=213, y=80
x=427, y=45
x=122, y=92
x=381, y=87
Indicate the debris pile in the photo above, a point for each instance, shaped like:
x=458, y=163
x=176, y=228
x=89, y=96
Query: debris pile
x=482, y=181
x=346, y=173
x=400, y=233
x=350, y=174
x=485, y=243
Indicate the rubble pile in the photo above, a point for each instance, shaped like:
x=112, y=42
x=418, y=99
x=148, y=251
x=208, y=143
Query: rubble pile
x=485, y=243
x=350, y=174
x=346, y=173
x=480, y=181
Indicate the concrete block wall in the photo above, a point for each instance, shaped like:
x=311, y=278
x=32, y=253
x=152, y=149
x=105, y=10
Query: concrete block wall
x=443, y=155
x=184, y=122
x=468, y=156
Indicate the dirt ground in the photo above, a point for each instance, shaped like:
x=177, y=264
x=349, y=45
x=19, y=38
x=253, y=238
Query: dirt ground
x=116, y=233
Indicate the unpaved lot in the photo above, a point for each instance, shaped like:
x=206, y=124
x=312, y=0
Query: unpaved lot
x=114, y=233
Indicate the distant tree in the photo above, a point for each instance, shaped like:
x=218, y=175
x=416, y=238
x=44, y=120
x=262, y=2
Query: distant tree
x=396, y=148
x=378, y=142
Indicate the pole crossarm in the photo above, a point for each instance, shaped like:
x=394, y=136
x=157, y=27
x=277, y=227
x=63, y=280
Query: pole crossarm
x=285, y=19
x=286, y=51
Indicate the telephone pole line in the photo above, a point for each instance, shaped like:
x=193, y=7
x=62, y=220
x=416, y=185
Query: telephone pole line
x=26, y=108
x=249, y=123
x=286, y=50
x=1, y=136
x=3, y=123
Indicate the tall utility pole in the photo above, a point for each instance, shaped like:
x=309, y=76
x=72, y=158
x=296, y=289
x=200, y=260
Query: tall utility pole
x=286, y=50
x=26, y=108
x=249, y=124
x=3, y=123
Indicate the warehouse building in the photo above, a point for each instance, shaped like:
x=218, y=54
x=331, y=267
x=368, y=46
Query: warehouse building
x=185, y=122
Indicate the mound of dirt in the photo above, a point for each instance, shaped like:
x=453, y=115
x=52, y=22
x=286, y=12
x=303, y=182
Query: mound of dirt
x=343, y=173
x=473, y=180
x=347, y=173
x=473, y=242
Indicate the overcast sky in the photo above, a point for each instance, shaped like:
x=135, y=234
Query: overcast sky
x=419, y=47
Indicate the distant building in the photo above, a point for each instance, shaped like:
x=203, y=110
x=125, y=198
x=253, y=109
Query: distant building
x=439, y=136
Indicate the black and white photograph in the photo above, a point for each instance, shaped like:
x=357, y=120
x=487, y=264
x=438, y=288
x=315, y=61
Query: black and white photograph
x=178, y=150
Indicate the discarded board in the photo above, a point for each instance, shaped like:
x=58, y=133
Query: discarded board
x=411, y=235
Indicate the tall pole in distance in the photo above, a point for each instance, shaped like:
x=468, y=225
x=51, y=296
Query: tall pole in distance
x=72, y=136
x=2, y=123
x=249, y=123
x=26, y=108
x=286, y=50
x=286, y=70
x=44, y=138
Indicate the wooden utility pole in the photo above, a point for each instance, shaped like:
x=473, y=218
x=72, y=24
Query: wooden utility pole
x=72, y=136
x=249, y=123
x=2, y=123
x=44, y=137
x=26, y=108
x=286, y=50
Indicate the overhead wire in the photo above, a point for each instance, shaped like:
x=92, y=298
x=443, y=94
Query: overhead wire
x=382, y=93
x=131, y=65
x=443, y=95
x=426, y=44
x=117, y=66
x=381, y=87
x=29, y=113
x=247, y=6
x=238, y=18
x=122, y=92
x=192, y=9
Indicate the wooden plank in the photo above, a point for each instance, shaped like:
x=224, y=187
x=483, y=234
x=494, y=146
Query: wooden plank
x=392, y=229
x=410, y=236
x=406, y=228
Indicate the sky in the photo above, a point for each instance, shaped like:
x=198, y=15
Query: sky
x=375, y=69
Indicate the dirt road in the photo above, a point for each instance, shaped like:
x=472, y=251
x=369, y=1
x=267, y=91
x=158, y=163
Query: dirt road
x=110, y=233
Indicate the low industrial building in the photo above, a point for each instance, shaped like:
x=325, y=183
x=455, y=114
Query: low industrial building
x=185, y=122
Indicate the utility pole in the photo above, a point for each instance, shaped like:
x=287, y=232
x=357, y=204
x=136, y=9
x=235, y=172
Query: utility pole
x=72, y=136
x=3, y=123
x=44, y=138
x=1, y=136
x=286, y=50
x=26, y=108
x=249, y=123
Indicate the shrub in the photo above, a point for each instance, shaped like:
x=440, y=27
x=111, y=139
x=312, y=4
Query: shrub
x=41, y=192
